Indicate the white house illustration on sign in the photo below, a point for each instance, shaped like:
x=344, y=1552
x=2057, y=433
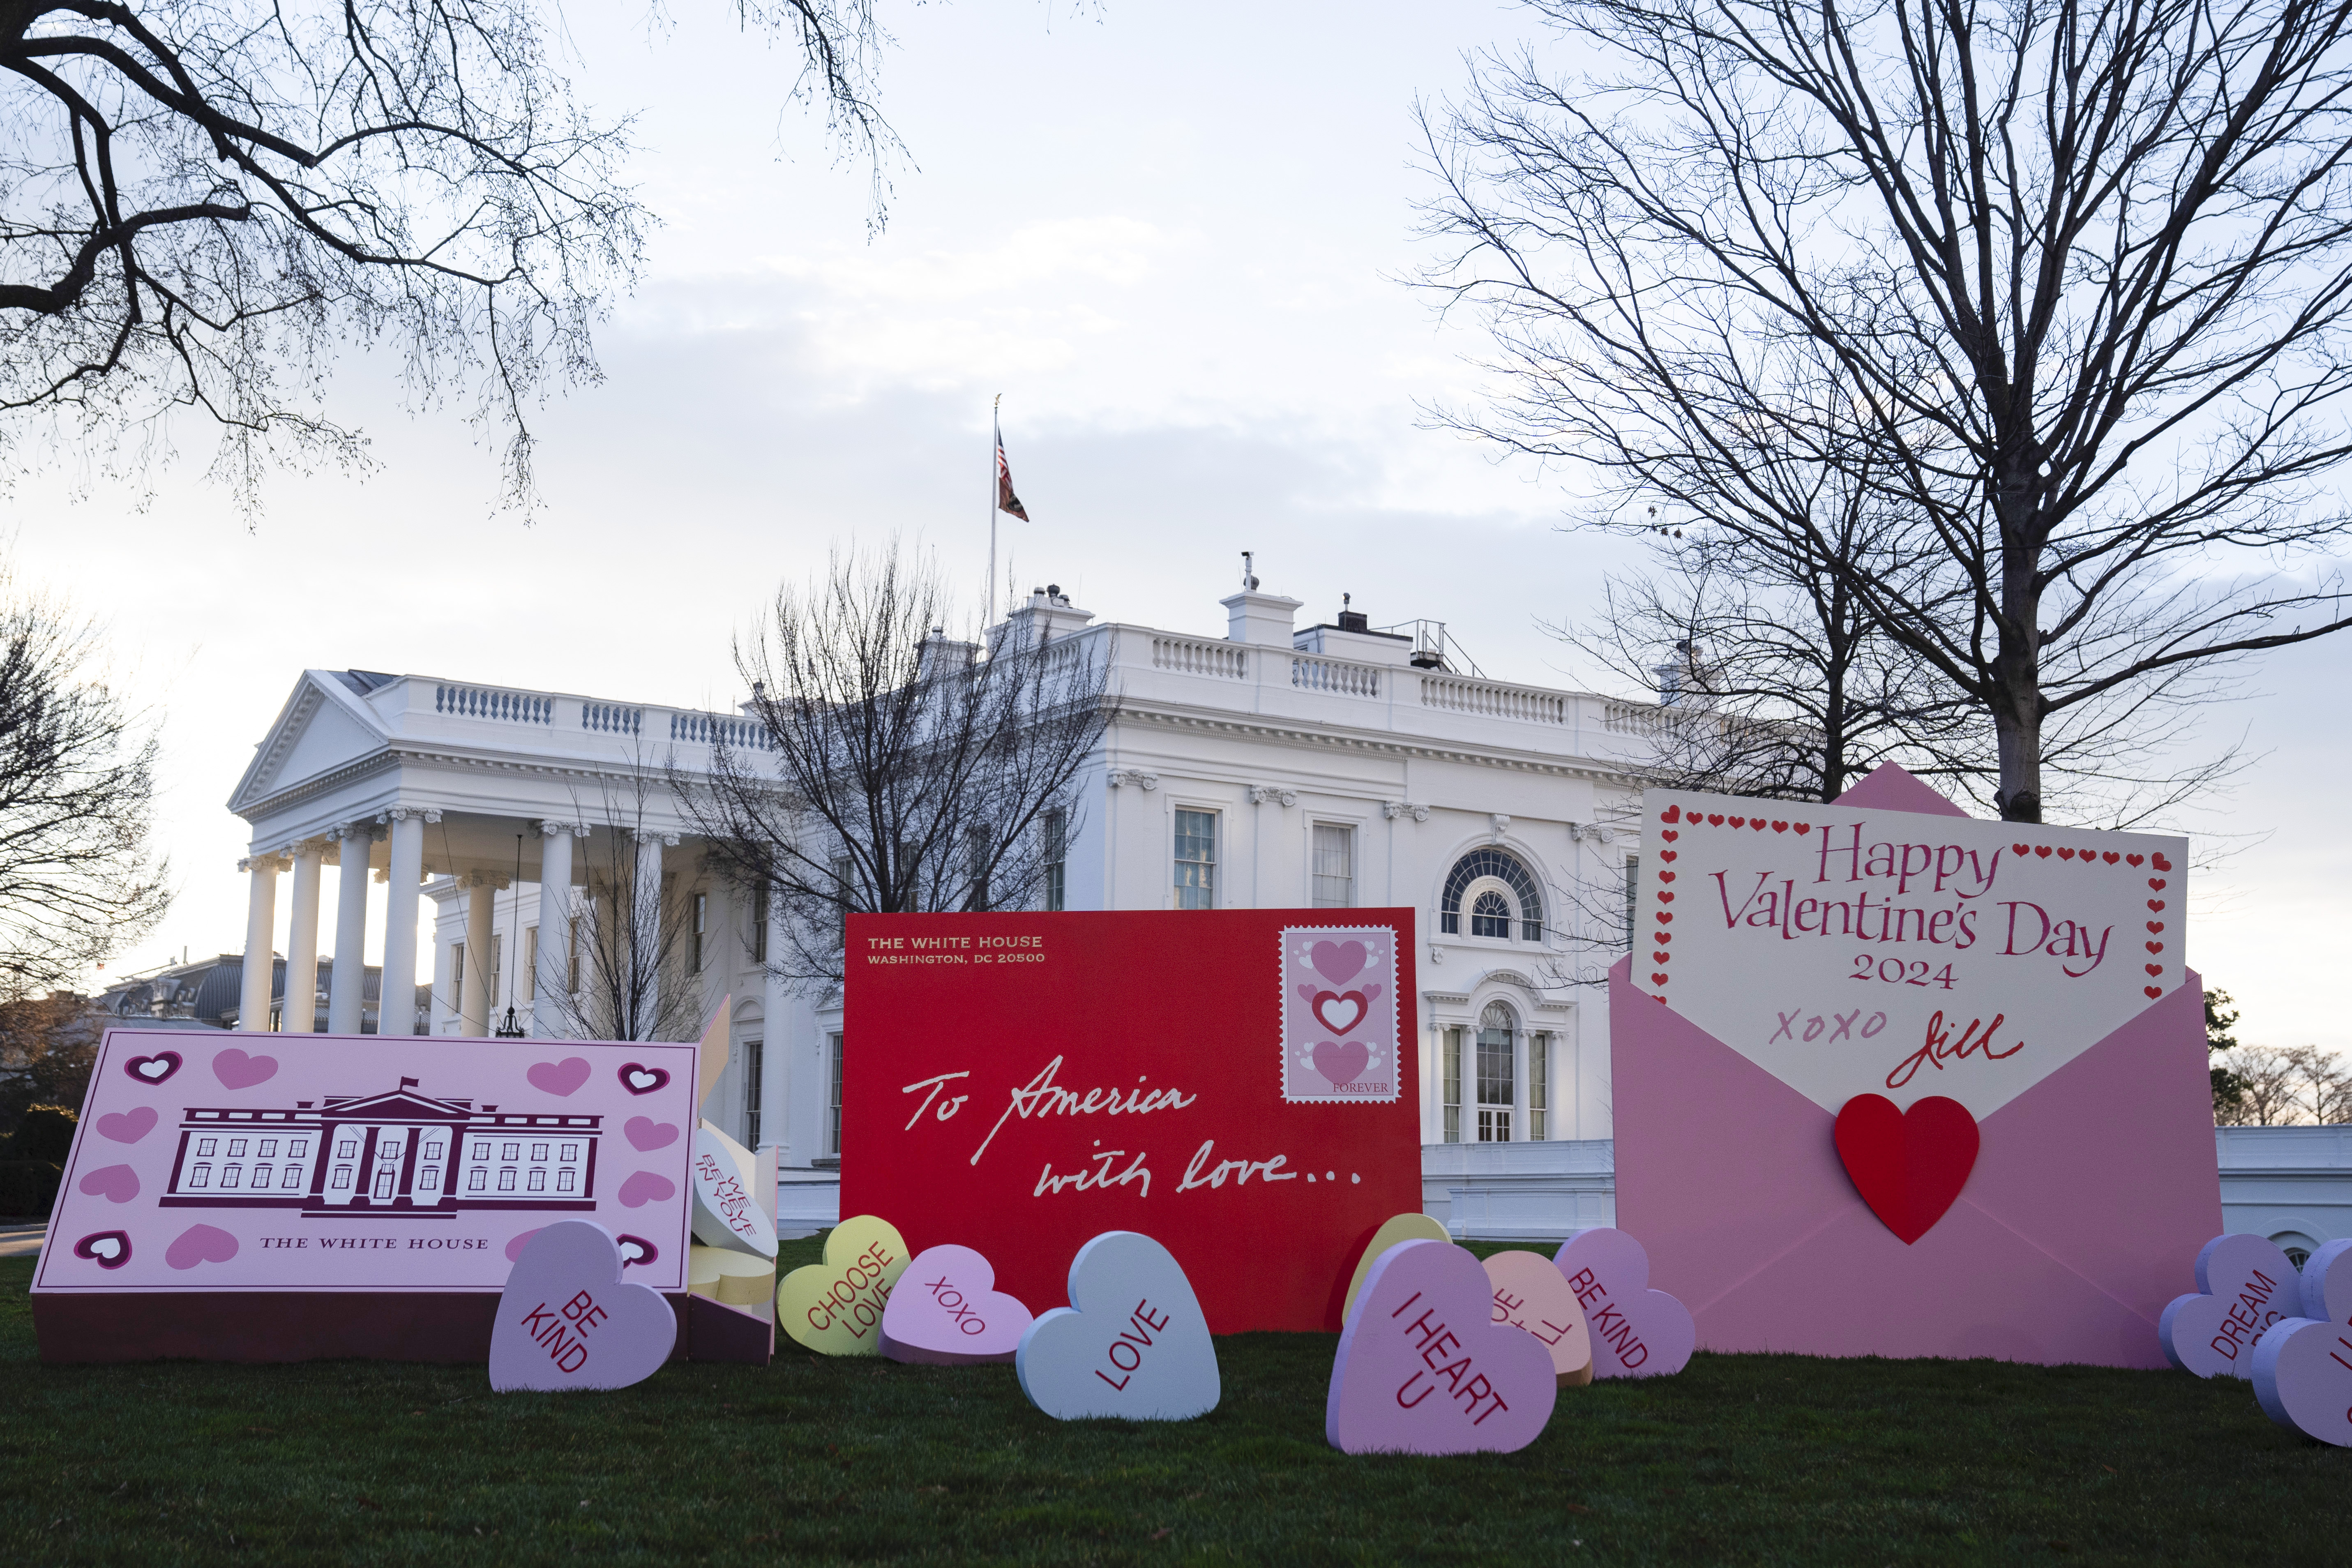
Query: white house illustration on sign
x=399, y=1154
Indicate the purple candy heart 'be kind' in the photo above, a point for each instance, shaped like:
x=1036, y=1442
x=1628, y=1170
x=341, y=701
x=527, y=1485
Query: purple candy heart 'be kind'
x=567, y=1320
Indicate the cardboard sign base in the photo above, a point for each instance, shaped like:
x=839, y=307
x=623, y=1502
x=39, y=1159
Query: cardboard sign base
x=291, y=1326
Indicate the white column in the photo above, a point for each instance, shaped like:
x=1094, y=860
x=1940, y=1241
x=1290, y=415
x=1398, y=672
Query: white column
x=644, y=928
x=347, y=993
x=260, y=925
x=474, y=991
x=554, y=978
x=396, y=1010
x=299, y=1015
x=777, y=1015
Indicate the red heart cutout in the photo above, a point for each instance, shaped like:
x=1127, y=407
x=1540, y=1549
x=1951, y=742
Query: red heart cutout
x=1667, y=854
x=1804, y=827
x=1672, y=814
x=2154, y=968
x=1670, y=835
x=1780, y=827
x=1714, y=817
x=1907, y=1167
x=2021, y=848
x=1669, y=876
x=1364, y=1008
x=1665, y=936
x=2159, y=862
x=2156, y=925
x=2156, y=904
x=2065, y=853
x=1661, y=957
x=2042, y=851
x=1738, y=822
x=2132, y=859
x=1658, y=980
x=1665, y=897
x=2153, y=990
x=2111, y=857
x=1665, y=917
x=2156, y=883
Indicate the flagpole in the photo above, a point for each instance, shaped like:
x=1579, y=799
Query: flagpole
x=996, y=445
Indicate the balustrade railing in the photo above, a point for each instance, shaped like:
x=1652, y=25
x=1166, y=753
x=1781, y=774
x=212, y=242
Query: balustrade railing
x=1222, y=659
x=1311, y=674
x=714, y=729
x=611, y=719
x=489, y=702
x=1490, y=699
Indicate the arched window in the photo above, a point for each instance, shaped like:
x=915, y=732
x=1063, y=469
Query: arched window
x=1510, y=893
x=1496, y=1026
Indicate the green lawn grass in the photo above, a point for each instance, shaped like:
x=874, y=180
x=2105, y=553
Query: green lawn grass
x=1741, y=1458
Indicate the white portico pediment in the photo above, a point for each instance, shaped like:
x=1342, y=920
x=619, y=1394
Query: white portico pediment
x=325, y=726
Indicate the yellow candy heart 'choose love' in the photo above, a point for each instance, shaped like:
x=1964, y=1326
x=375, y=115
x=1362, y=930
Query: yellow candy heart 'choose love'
x=834, y=1307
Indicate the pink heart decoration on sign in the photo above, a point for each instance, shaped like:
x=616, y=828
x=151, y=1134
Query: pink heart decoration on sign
x=200, y=1244
x=155, y=1069
x=635, y=1250
x=639, y=1078
x=107, y=1249
x=567, y=1320
x=237, y=1070
x=1424, y=1369
x=559, y=1078
x=1337, y=961
x=128, y=1126
x=115, y=1184
x=1363, y=1006
x=645, y=1132
x=945, y=1310
x=1341, y=1064
x=2244, y=1286
x=514, y=1247
x=1636, y=1331
x=2303, y=1378
x=645, y=1187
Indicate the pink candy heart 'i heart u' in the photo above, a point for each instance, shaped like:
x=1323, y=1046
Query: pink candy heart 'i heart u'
x=237, y=1071
x=567, y=1320
x=200, y=1244
x=128, y=1126
x=945, y=1310
x=559, y=1078
x=1636, y=1331
x=1337, y=961
x=1423, y=1367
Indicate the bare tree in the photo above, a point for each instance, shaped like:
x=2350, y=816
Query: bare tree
x=79, y=878
x=201, y=200
x=902, y=769
x=627, y=930
x=2280, y=1086
x=2079, y=271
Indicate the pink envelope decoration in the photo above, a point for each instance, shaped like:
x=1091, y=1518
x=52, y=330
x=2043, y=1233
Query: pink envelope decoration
x=2245, y=1284
x=2094, y=1172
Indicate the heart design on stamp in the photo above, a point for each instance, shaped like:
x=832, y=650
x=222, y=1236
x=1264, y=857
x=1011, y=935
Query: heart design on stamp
x=1665, y=936
x=1424, y=1367
x=558, y=1078
x=1363, y=1007
x=1665, y=877
x=1660, y=957
x=200, y=1244
x=1908, y=1165
x=835, y=1307
x=645, y=1132
x=2156, y=884
x=115, y=1184
x=2300, y=1381
x=639, y=1078
x=2156, y=925
x=1636, y=1331
x=1337, y=961
x=155, y=1069
x=2157, y=905
x=1133, y=1341
x=2245, y=1284
x=2154, y=968
x=107, y=1249
x=127, y=1126
x=1341, y=1063
x=947, y=1311
x=1533, y=1296
x=645, y=1187
x=237, y=1070
x=566, y=1320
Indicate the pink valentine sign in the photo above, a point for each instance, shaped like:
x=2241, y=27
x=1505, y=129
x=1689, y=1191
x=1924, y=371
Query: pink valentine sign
x=318, y=1162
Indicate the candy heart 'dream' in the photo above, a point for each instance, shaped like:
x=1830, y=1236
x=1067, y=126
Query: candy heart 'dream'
x=1636, y=1331
x=947, y=1311
x=1530, y=1295
x=1132, y=1343
x=2245, y=1284
x=2303, y=1378
x=566, y=1321
x=834, y=1307
x=1424, y=1369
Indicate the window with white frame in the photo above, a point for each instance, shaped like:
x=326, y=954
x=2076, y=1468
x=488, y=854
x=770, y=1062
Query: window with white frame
x=698, y=944
x=1501, y=895
x=1196, y=859
x=1496, y=1029
x=1633, y=896
x=754, y=1065
x=1538, y=1088
x=530, y=964
x=833, y=1096
x=1450, y=1052
x=760, y=926
x=1058, y=854
x=1335, y=865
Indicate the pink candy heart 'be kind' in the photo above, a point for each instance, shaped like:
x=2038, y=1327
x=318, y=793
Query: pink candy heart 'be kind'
x=947, y=1311
x=566, y=1321
x=1424, y=1369
x=1636, y=1331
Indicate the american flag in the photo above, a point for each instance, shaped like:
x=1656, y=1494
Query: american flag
x=1005, y=500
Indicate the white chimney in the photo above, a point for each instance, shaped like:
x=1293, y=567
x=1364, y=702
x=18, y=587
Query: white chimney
x=1261, y=618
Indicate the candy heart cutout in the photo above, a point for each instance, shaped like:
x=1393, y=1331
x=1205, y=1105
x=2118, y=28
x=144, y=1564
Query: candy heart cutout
x=1341, y=1063
x=559, y=1078
x=1636, y=1331
x=644, y=1132
x=725, y=1212
x=237, y=1071
x=639, y=1078
x=2302, y=1380
x=1409, y=1226
x=115, y=1184
x=127, y=1126
x=1909, y=1165
x=2244, y=1286
x=567, y=1320
x=1337, y=961
x=835, y=1307
x=107, y=1249
x=645, y=1187
x=200, y=1244
x=1533, y=1297
x=945, y=1310
x=155, y=1069
x=1423, y=1368
x=1132, y=1343
x=1363, y=1008
x=2325, y=1283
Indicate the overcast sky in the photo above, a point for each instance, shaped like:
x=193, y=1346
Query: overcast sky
x=1172, y=236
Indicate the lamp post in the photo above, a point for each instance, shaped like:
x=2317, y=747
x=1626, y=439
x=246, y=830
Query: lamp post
x=512, y=1028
